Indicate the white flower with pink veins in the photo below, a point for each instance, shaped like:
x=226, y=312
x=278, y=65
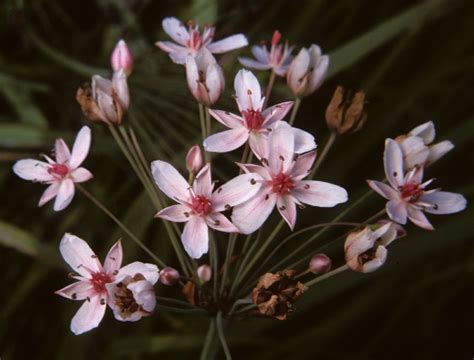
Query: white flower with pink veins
x=406, y=192
x=278, y=58
x=254, y=124
x=60, y=174
x=93, y=280
x=283, y=184
x=199, y=206
x=188, y=40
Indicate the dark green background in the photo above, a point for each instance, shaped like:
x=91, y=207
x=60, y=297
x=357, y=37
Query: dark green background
x=414, y=59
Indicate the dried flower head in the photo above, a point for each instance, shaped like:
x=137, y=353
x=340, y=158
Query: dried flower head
x=345, y=113
x=275, y=293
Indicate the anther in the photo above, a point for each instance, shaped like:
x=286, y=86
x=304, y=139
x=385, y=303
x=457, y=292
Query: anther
x=253, y=181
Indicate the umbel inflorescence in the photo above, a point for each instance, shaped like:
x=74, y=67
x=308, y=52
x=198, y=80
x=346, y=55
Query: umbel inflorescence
x=276, y=173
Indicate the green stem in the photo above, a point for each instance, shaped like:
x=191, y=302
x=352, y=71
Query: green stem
x=202, y=118
x=268, y=92
x=214, y=260
x=210, y=343
x=325, y=151
x=175, y=302
x=238, y=303
x=228, y=258
x=296, y=106
x=195, y=311
x=327, y=275
x=120, y=224
x=220, y=332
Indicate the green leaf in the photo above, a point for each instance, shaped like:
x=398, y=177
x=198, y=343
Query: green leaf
x=18, y=239
x=204, y=11
x=16, y=135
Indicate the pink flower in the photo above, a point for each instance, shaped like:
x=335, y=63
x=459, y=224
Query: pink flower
x=189, y=40
x=204, y=75
x=278, y=58
x=111, y=96
x=253, y=124
x=121, y=58
x=283, y=184
x=198, y=205
x=407, y=195
x=418, y=148
x=307, y=71
x=366, y=250
x=59, y=174
x=93, y=279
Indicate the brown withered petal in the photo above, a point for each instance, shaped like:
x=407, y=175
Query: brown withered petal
x=275, y=293
x=345, y=113
x=88, y=105
x=188, y=292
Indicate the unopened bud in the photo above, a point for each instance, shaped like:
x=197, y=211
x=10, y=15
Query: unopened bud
x=121, y=58
x=345, y=113
x=204, y=273
x=320, y=264
x=194, y=159
x=169, y=276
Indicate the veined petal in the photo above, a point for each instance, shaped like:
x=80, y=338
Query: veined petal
x=170, y=181
x=65, y=194
x=81, y=147
x=175, y=213
x=113, y=260
x=235, y=191
x=383, y=189
x=227, y=119
x=319, y=193
x=253, y=168
x=397, y=211
x=258, y=142
x=287, y=208
x=227, y=44
x=202, y=184
x=425, y=131
x=195, y=237
x=79, y=256
x=34, y=170
x=61, y=151
x=439, y=150
x=169, y=46
x=302, y=165
x=319, y=73
x=418, y=218
x=215, y=82
x=252, y=64
x=298, y=68
x=247, y=90
x=393, y=163
x=219, y=222
x=119, y=80
x=251, y=215
x=444, y=202
x=304, y=141
x=80, y=175
x=276, y=113
x=79, y=290
x=192, y=74
x=281, y=145
x=175, y=30
x=179, y=56
x=50, y=192
x=149, y=271
x=226, y=141
x=89, y=315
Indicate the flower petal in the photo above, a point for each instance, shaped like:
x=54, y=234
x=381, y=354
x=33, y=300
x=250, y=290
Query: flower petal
x=235, y=191
x=377, y=261
x=79, y=256
x=418, y=218
x=250, y=215
x=81, y=175
x=383, y=189
x=170, y=181
x=298, y=68
x=439, y=150
x=319, y=193
x=260, y=53
x=276, y=113
x=34, y=170
x=252, y=64
x=89, y=315
x=195, y=237
x=425, y=131
x=80, y=148
x=302, y=165
x=258, y=142
x=149, y=271
x=50, y=192
x=202, y=184
x=281, y=145
x=393, y=163
x=114, y=257
x=219, y=222
x=175, y=213
x=176, y=30
x=192, y=74
x=445, y=202
x=227, y=44
x=226, y=141
x=253, y=168
x=215, y=82
x=319, y=72
x=397, y=211
x=247, y=90
x=179, y=56
x=169, y=47
x=65, y=195
x=304, y=141
x=79, y=290
x=227, y=119
x=61, y=151
x=287, y=208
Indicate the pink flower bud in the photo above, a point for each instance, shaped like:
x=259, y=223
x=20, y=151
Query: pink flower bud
x=121, y=58
x=194, y=159
x=204, y=273
x=169, y=276
x=320, y=264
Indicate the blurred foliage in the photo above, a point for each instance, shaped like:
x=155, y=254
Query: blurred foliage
x=415, y=60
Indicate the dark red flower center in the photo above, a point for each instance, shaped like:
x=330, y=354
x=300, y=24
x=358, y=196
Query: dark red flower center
x=201, y=205
x=253, y=119
x=195, y=40
x=59, y=169
x=411, y=191
x=282, y=183
x=99, y=279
